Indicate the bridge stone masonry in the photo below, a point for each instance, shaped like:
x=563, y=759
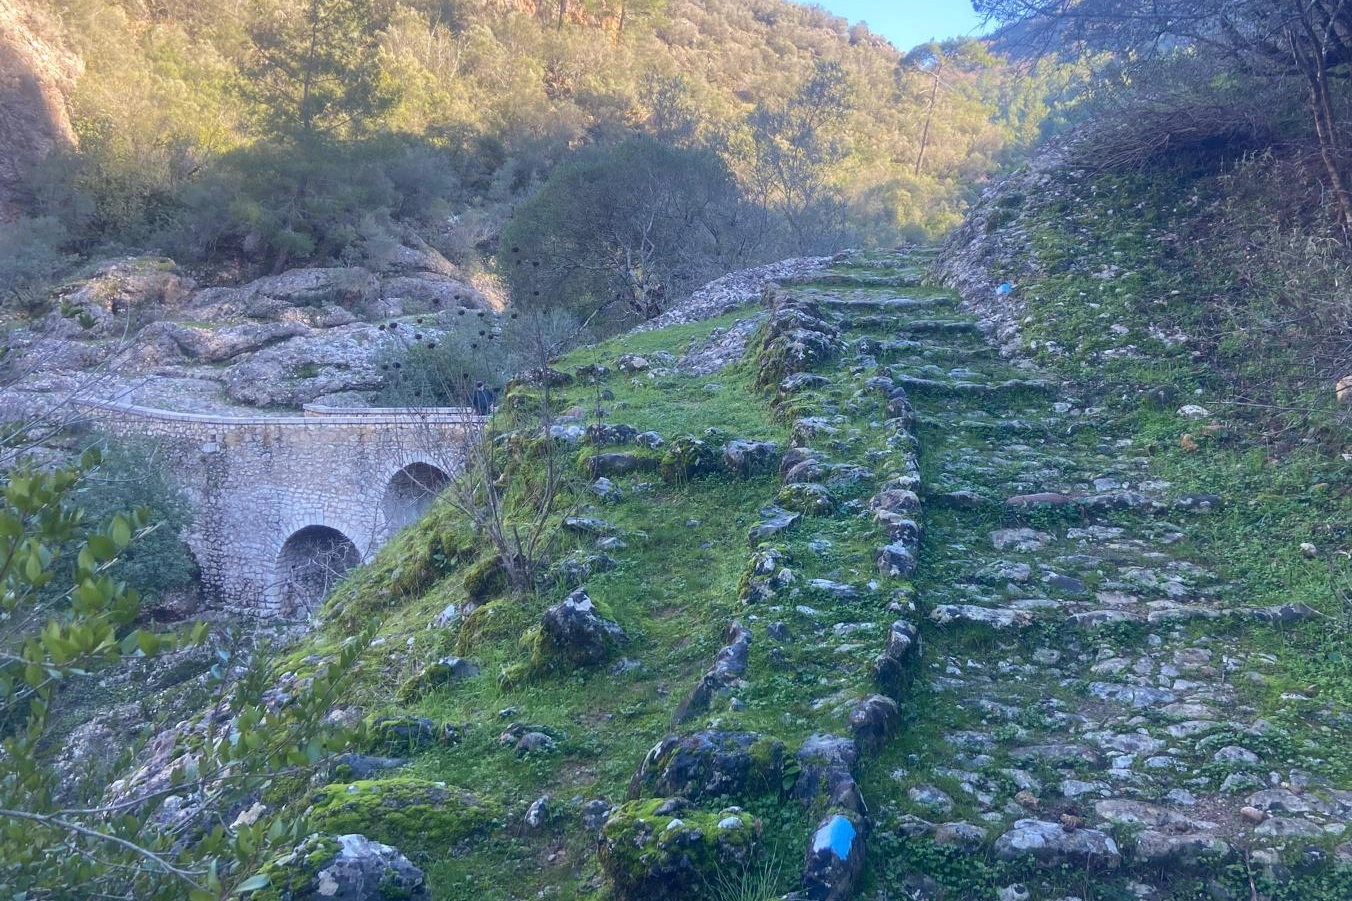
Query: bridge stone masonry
x=282, y=505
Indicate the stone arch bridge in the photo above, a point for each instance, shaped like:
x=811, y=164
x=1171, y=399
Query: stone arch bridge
x=283, y=505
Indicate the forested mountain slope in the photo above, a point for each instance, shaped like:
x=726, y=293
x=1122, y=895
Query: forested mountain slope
x=223, y=135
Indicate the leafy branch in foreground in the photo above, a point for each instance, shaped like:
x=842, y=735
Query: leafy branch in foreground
x=188, y=823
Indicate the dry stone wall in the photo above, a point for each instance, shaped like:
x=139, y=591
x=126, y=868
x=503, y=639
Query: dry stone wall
x=283, y=503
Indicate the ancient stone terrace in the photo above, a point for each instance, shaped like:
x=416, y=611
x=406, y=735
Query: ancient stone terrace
x=284, y=504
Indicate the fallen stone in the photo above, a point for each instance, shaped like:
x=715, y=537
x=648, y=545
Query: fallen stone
x=1280, y=800
x=893, y=667
x=963, y=836
x=1288, y=828
x=896, y=561
x=930, y=797
x=619, y=464
x=749, y=457
x=873, y=720
x=587, y=525
x=1021, y=539
x=602, y=433
x=1041, y=499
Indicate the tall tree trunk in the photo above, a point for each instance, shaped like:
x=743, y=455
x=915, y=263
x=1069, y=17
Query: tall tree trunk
x=929, y=116
x=1308, y=51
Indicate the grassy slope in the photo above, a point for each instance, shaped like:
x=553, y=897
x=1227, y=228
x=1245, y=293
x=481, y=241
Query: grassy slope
x=676, y=584
x=673, y=591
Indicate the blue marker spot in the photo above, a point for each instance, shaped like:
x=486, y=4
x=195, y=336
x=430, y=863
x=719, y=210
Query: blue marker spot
x=837, y=834
x=1004, y=289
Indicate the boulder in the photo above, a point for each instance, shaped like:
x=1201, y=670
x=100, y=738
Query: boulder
x=416, y=814
x=896, y=560
x=808, y=498
x=347, y=867
x=437, y=675
x=657, y=850
x=1181, y=850
x=825, y=763
x=776, y=520
x=729, y=666
x=687, y=457
x=873, y=720
x=766, y=573
x=364, y=766
x=835, y=858
x=601, y=433
x=618, y=464
x=574, y=634
x=749, y=457
x=710, y=764
x=802, y=381
x=893, y=668
x=409, y=734
x=801, y=464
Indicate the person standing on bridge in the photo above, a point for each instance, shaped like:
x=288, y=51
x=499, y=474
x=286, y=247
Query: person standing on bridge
x=482, y=399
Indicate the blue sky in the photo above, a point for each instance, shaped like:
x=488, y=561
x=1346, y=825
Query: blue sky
x=908, y=22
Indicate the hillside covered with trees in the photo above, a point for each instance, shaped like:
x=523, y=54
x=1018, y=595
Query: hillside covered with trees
x=259, y=136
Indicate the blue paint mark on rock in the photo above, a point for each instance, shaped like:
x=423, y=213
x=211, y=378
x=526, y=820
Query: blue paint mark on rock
x=837, y=834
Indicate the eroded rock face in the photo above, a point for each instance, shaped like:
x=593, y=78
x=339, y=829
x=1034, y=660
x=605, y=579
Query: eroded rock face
x=302, y=369
x=35, y=74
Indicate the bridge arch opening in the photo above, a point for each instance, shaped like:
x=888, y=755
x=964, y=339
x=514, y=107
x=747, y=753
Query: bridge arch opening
x=410, y=493
x=309, y=564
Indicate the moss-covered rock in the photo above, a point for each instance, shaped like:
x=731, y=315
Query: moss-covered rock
x=807, y=498
x=711, y=764
x=408, y=734
x=688, y=457
x=795, y=339
x=413, y=814
x=485, y=579
x=766, y=572
x=436, y=675
x=574, y=633
x=665, y=850
x=341, y=868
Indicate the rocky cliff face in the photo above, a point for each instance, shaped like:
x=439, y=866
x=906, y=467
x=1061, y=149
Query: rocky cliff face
x=35, y=74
